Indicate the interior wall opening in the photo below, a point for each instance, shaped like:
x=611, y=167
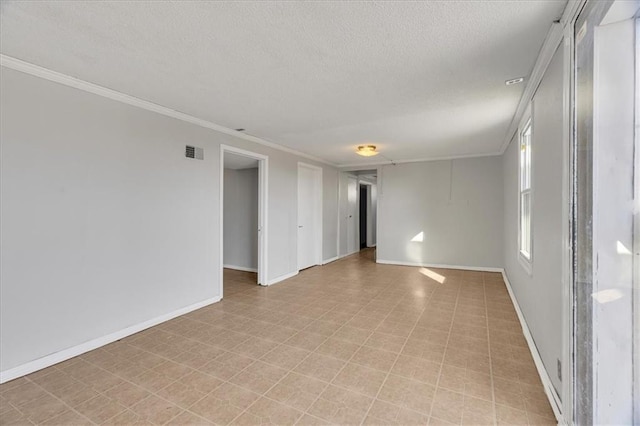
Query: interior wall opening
x=363, y=216
x=242, y=210
x=358, y=211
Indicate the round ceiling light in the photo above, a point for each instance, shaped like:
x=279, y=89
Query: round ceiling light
x=367, y=150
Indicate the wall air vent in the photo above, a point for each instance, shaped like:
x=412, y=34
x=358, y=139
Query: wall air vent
x=194, y=152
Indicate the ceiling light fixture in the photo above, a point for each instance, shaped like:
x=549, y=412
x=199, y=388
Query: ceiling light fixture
x=514, y=81
x=367, y=150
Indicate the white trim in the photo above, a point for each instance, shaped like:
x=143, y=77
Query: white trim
x=333, y=259
x=55, y=358
x=549, y=47
x=318, y=178
x=282, y=278
x=554, y=37
x=47, y=74
x=567, y=203
x=360, y=166
x=636, y=235
x=570, y=14
x=263, y=208
x=370, y=228
x=549, y=390
x=338, y=207
x=356, y=218
x=442, y=266
x=526, y=264
x=240, y=268
x=527, y=121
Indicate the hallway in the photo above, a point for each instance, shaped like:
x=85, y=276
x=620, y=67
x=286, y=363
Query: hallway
x=352, y=342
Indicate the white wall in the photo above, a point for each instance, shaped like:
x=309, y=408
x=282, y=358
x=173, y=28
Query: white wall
x=241, y=219
x=540, y=294
x=329, y=213
x=455, y=204
x=105, y=224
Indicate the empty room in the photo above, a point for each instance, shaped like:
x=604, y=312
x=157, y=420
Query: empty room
x=320, y=212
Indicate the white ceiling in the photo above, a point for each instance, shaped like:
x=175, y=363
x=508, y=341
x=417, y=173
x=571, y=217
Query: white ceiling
x=418, y=79
x=239, y=162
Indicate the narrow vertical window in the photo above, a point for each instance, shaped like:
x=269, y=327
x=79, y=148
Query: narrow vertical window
x=525, y=240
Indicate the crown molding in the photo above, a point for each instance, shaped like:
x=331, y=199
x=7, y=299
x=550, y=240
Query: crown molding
x=47, y=74
x=549, y=47
x=418, y=160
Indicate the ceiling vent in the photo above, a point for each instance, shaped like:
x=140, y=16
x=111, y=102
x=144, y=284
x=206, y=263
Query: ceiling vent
x=194, y=152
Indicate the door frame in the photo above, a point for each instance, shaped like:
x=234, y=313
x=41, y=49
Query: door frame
x=356, y=213
x=369, y=227
x=263, y=203
x=318, y=234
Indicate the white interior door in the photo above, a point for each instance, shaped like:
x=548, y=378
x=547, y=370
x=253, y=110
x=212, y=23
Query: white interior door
x=352, y=223
x=307, y=217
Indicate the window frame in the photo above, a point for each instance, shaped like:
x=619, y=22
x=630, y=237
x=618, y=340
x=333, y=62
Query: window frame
x=526, y=124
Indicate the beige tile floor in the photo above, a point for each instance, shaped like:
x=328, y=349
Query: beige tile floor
x=352, y=342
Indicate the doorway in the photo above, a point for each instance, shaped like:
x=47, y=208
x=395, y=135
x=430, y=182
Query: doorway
x=363, y=216
x=309, y=216
x=357, y=219
x=352, y=200
x=243, y=211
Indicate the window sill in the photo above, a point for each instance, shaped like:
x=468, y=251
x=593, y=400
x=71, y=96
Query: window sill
x=526, y=264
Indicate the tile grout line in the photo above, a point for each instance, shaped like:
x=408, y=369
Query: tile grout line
x=455, y=308
x=151, y=392
x=305, y=358
x=117, y=366
x=394, y=363
x=59, y=399
x=254, y=360
x=354, y=354
x=493, y=392
x=154, y=393
x=331, y=383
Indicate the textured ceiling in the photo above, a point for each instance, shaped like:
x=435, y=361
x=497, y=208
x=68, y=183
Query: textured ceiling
x=419, y=79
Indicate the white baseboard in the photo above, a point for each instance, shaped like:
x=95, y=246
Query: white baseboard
x=437, y=265
x=549, y=390
x=241, y=268
x=54, y=358
x=333, y=259
x=282, y=278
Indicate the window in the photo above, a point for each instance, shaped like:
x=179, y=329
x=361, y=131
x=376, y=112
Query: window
x=525, y=198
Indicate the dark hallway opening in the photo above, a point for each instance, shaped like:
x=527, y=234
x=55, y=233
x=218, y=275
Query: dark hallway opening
x=363, y=216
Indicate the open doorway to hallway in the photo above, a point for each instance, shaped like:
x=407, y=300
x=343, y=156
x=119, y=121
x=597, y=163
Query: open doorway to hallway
x=358, y=211
x=363, y=216
x=242, y=219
